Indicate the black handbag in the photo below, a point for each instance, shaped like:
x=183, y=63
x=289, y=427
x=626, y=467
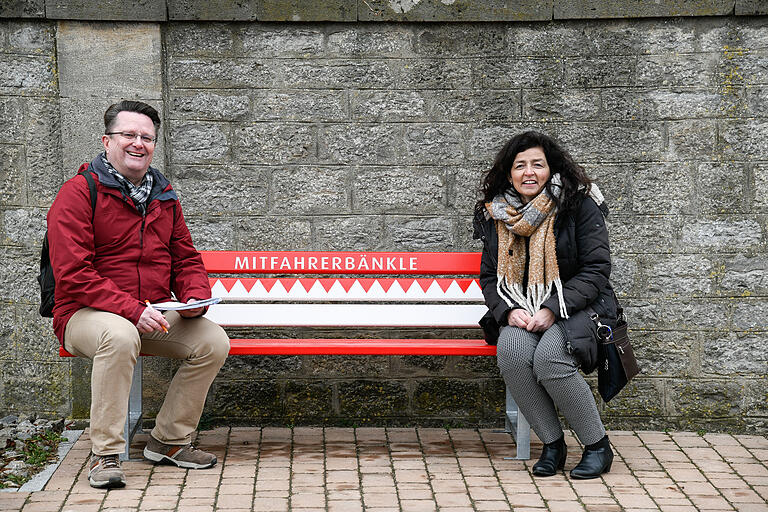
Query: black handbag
x=617, y=359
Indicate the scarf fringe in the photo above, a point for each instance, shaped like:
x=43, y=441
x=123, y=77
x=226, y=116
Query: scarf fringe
x=561, y=299
x=531, y=301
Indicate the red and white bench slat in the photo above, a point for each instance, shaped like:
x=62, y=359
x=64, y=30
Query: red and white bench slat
x=385, y=300
x=342, y=263
x=347, y=289
x=346, y=315
x=377, y=347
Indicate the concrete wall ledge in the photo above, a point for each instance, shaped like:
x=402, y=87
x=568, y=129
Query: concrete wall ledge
x=372, y=10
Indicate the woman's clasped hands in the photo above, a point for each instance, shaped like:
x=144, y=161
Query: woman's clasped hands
x=539, y=322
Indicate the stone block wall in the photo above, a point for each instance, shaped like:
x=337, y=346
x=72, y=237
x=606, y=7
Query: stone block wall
x=33, y=376
x=302, y=128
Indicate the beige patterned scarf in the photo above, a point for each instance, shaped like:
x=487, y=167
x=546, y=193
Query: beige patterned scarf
x=535, y=221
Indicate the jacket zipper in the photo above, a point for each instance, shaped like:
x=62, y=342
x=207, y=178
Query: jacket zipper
x=141, y=251
x=141, y=244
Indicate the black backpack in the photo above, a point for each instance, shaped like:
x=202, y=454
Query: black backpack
x=47, y=283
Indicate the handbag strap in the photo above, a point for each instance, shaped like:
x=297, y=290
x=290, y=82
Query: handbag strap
x=620, y=317
x=604, y=332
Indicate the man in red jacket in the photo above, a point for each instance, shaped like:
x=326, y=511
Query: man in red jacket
x=134, y=247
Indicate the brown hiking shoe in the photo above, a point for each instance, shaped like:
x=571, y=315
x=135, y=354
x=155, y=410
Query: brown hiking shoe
x=184, y=456
x=104, y=472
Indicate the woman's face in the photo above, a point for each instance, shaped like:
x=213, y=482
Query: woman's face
x=529, y=173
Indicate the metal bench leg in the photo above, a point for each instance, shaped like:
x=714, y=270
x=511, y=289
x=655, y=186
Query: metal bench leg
x=516, y=423
x=133, y=418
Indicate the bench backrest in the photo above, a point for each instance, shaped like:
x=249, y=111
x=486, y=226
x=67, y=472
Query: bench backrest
x=380, y=296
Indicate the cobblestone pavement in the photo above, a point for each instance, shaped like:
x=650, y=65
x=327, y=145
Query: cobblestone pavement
x=419, y=470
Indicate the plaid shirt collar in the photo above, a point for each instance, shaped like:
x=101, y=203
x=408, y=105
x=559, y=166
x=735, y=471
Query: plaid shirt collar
x=139, y=194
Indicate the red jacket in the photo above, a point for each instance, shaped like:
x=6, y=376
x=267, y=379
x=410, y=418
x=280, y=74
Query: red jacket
x=120, y=259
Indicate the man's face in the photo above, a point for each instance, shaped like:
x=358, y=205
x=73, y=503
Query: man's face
x=130, y=156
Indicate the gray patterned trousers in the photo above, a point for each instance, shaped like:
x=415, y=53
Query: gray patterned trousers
x=542, y=376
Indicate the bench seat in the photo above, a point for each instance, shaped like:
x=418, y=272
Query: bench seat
x=381, y=347
x=350, y=347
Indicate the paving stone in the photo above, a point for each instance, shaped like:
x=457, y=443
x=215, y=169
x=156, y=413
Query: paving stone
x=685, y=481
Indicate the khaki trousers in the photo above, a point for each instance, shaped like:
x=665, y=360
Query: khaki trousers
x=113, y=343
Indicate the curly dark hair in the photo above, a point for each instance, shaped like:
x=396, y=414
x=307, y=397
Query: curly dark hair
x=497, y=181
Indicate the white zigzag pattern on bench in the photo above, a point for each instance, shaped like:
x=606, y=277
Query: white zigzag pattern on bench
x=396, y=292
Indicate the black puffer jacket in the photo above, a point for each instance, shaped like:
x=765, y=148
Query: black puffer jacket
x=584, y=260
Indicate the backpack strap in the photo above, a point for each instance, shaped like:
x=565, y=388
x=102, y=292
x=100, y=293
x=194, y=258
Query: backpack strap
x=45, y=278
x=92, y=189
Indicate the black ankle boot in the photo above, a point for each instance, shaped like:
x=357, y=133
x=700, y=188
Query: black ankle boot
x=595, y=461
x=552, y=458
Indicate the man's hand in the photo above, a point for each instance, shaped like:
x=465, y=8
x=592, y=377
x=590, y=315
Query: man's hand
x=191, y=313
x=518, y=318
x=541, y=321
x=152, y=320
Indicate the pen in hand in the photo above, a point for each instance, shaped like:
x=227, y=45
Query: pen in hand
x=149, y=305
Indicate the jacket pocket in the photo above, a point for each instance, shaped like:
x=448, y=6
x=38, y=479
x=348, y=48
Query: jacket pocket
x=581, y=340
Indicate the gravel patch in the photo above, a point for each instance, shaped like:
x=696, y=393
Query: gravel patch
x=31, y=450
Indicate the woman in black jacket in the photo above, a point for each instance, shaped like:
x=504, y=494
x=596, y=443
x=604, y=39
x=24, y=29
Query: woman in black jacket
x=544, y=272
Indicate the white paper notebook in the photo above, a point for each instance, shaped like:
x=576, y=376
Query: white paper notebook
x=178, y=306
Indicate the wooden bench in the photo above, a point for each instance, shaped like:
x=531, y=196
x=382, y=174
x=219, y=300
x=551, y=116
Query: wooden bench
x=317, y=289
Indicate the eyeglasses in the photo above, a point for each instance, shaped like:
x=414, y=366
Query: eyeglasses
x=146, y=139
